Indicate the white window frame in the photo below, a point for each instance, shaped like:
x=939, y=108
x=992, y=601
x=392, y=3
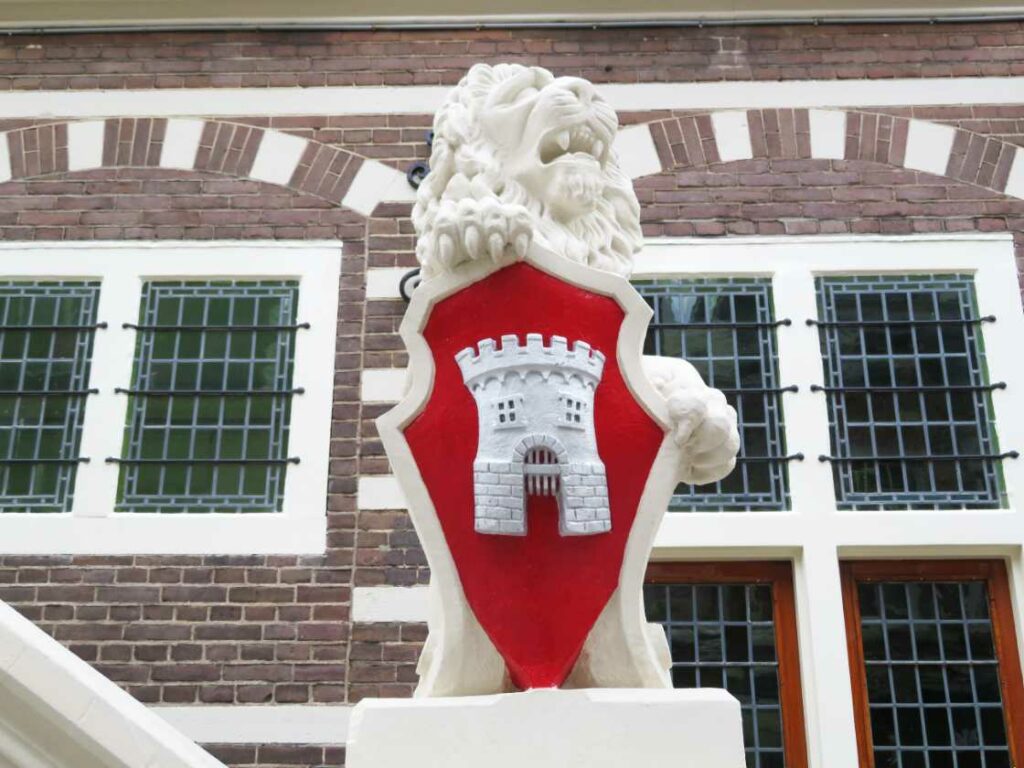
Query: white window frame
x=814, y=534
x=92, y=526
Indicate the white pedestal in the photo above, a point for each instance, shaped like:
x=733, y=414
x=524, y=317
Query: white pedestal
x=596, y=728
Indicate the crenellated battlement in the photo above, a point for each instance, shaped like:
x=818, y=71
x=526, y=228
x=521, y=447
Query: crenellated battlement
x=533, y=356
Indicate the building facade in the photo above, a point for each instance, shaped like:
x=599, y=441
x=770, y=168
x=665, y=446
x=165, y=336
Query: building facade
x=203, y=236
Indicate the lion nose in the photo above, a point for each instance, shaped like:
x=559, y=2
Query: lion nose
x=583, y=89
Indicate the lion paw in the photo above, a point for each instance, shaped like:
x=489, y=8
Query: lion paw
x=473, y=230
x=703, y=423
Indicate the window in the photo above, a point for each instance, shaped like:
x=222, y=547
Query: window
x=934, y=664
x=573, y=411
x=46, y=340
x=908, y=394
x=725, y=327
x=733, y=626
x=183, y=405
x=509, y=412
x=211, y=398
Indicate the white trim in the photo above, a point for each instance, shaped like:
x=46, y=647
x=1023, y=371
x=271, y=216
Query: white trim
x=277, y=157
x=421, y=100
x=5, y=160
x=638, y=156
x=828, y=134
x=382, y=385
x=377, y=604
x=181, y=144
x=374, y=183
x=1015, y=181
x=75, y=712
x=732, y=135
x=271, y=724
x=928, y=146
x=92, y=527
x=380, y=492
x=382, y=282
x=85, y=145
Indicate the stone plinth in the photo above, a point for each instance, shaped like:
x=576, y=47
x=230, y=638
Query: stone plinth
x=597, y=728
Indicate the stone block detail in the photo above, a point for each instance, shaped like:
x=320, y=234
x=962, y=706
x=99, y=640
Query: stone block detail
x=498, y=493
x=585, y=500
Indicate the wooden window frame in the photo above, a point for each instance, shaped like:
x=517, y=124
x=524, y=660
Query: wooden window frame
x=779, y=575
x=994, y=573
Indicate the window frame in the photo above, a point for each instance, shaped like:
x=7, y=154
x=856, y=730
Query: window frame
x=92, y=526
x=792, y=263
x=779, y=575
x=994, y=573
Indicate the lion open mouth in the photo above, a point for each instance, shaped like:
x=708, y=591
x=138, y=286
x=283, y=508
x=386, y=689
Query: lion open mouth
x=578, y=140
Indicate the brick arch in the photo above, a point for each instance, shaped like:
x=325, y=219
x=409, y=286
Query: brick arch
x=240, y=151
x=699, y=140
x=539, y=440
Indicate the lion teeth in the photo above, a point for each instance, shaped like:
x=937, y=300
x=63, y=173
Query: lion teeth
x=563, y=140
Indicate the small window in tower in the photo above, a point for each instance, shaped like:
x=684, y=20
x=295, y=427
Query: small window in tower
x=573, y=409
x=508, y=412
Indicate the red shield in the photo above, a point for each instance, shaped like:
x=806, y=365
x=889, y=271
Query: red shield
x=536, y=596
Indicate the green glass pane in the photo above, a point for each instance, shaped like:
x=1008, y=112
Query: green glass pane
x=214, y=436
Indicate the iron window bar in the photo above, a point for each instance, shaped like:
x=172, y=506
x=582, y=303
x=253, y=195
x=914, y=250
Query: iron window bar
x=926, y=457
x=757, y=390
x=55, y=460
x=48, y=393
x=930, y=388
x=210, y=392
x=727, y=326
x=289, y=460
x=770, y=459
x=215, y=328
x=54, y=327
x=899, y=323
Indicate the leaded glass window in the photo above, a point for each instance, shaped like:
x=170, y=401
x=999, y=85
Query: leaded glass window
x=210, y=402
x=725, y=328
x=46, y=342
x=906, y=382
x=723, y=636
x=933, y=681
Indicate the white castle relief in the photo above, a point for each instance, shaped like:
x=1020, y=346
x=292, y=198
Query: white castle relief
x=536, y=412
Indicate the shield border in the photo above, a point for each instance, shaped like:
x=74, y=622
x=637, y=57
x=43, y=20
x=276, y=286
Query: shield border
x=459, y=658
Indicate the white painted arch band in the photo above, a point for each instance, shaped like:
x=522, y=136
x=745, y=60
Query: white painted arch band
x=422, y=100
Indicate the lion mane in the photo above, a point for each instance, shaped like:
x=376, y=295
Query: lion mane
x=466, y=163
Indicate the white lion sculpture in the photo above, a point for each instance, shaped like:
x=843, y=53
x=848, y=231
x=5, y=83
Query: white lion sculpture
x=520, y=154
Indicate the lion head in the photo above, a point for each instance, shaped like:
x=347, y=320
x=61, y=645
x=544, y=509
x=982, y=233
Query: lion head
x=519, y=138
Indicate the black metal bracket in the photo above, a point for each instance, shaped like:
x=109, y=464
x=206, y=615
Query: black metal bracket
x=408, y=284
x=419, y=170
x=950, y=388
x=770, y=459
x=209, y=392
x=73, y=460
x=48, y=393
x=726, y=326
x=926, y=457
x=217, y=328
x=898, y=323
x=114, y=460
x=58, y=327
x=758, y=390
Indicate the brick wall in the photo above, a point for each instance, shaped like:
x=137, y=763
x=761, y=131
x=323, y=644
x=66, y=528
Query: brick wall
x=182, y=630
x=196, y=59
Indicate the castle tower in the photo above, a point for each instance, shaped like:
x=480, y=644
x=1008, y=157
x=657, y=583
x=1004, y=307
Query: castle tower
x=535, y=404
